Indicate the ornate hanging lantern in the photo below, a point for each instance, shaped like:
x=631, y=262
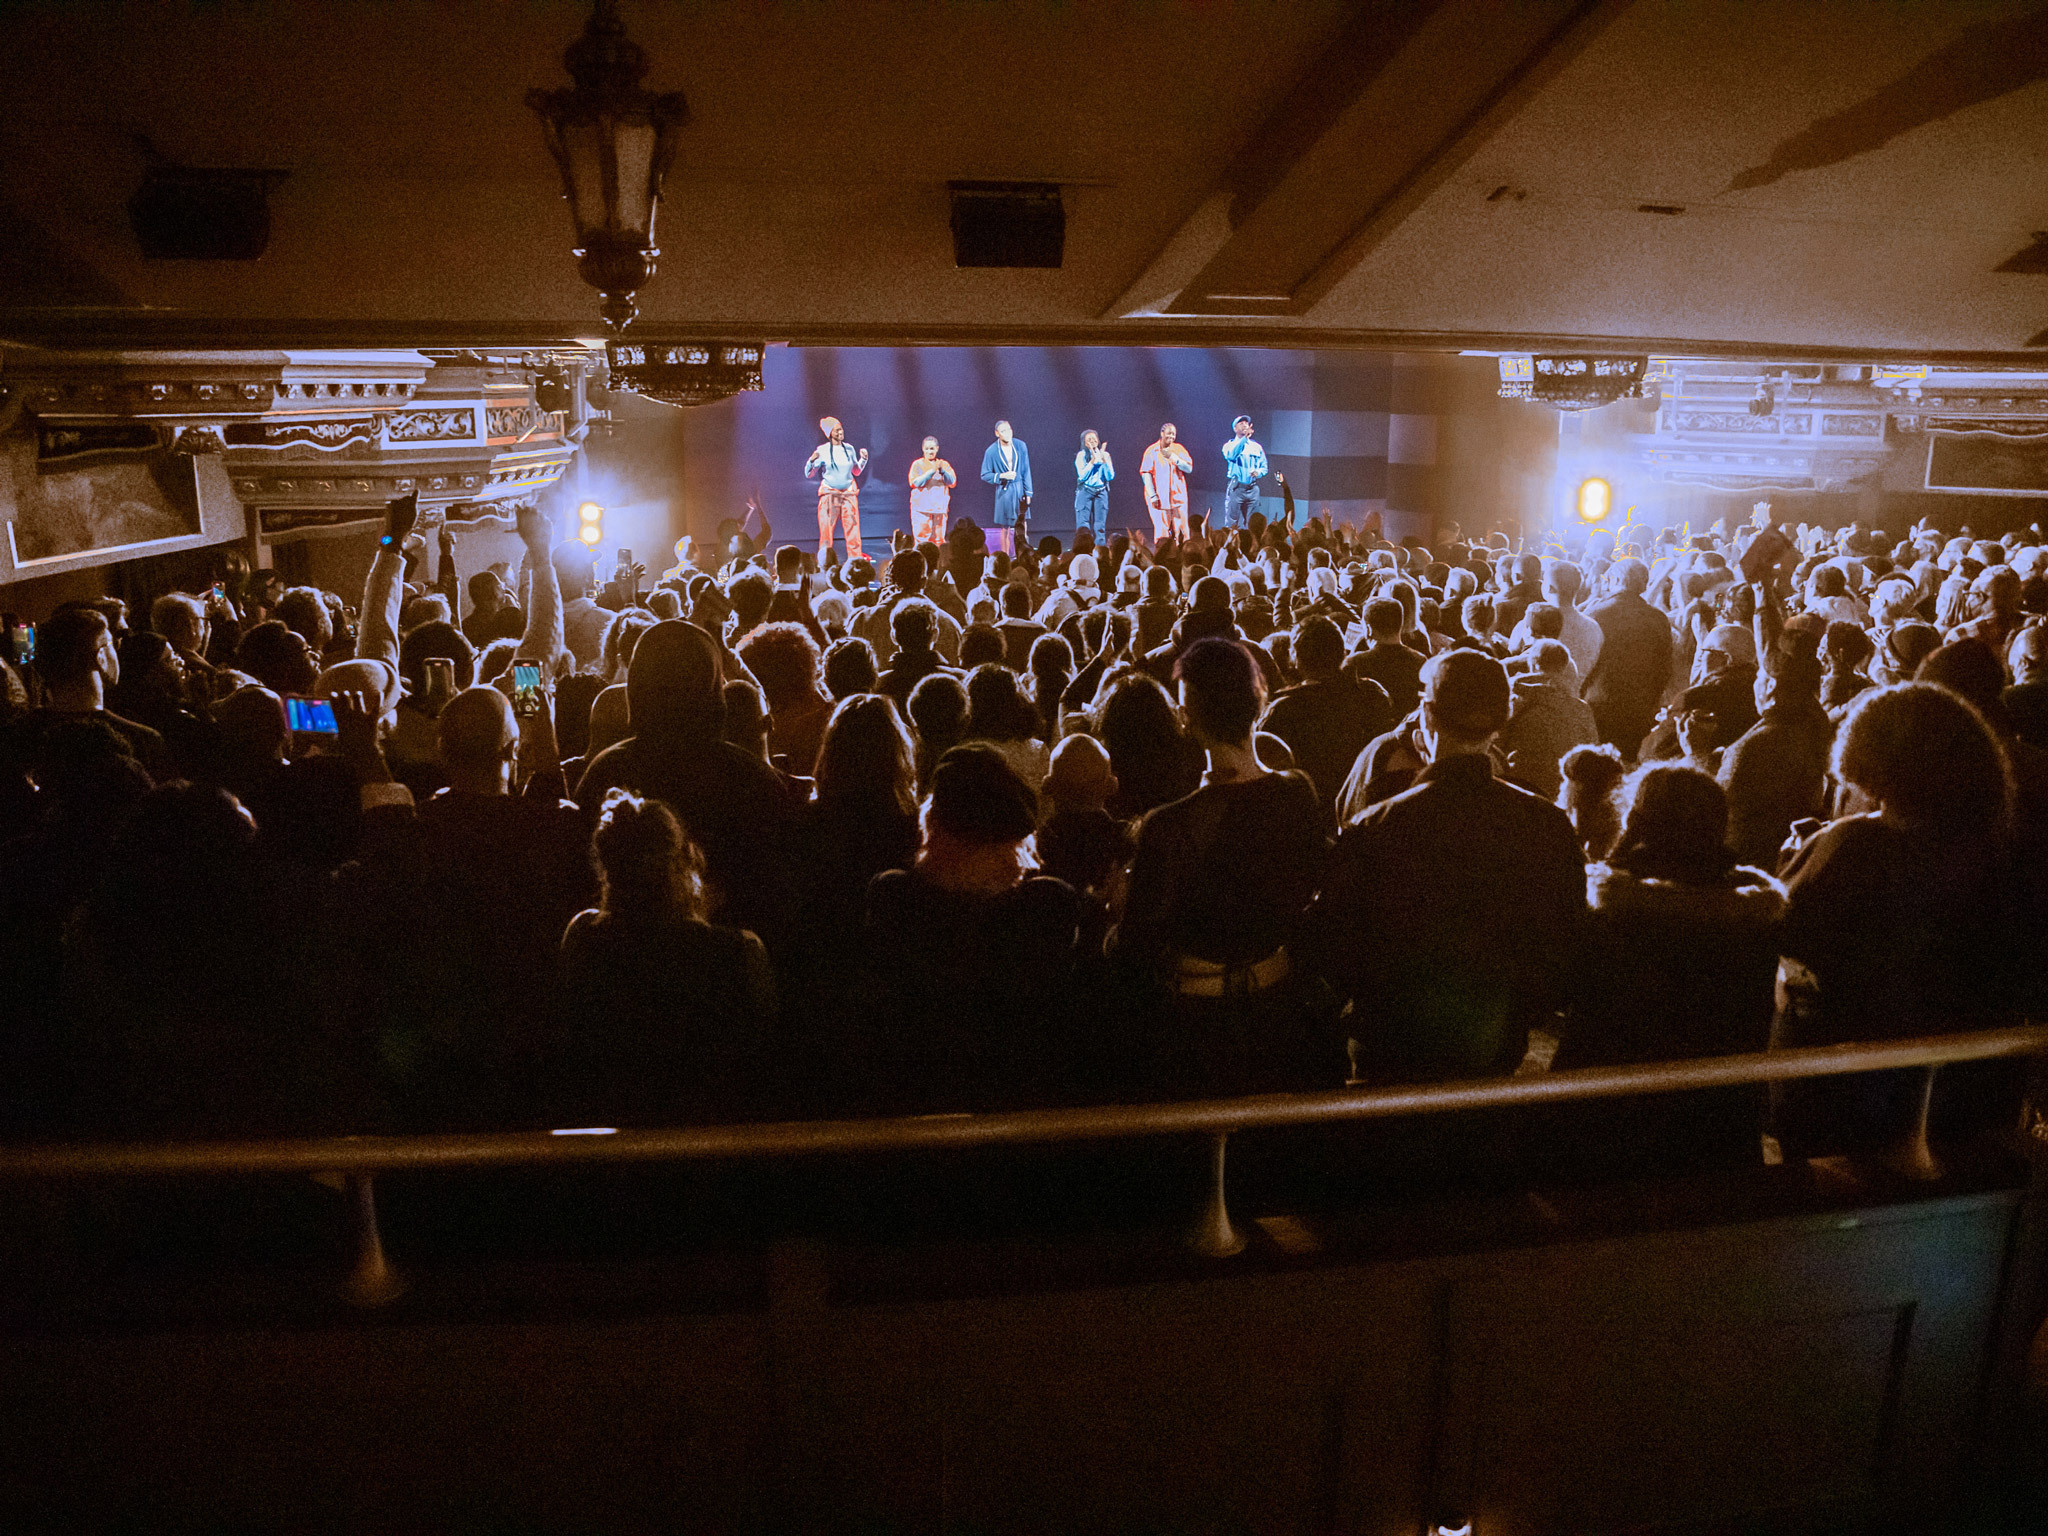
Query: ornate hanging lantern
x=613, y=142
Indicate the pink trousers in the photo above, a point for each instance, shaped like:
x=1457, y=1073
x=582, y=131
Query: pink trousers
x=845, y=506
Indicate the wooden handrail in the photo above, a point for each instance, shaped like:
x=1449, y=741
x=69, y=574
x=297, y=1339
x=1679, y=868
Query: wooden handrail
x=1214, y=1117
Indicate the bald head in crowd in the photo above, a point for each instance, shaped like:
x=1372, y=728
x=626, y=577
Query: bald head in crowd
x=675, y=683
x=2028, y=655
x=479, y=738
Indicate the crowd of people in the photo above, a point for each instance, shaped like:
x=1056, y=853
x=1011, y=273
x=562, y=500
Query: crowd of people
x=1262, y=810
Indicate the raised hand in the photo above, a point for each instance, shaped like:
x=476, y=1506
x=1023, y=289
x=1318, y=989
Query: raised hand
x=713, y=606
x=356, y=720
x=400, y=514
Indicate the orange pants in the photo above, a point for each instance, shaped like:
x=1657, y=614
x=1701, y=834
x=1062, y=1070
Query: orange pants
x=928, y=527
x=1168, y=521
x=845, y=506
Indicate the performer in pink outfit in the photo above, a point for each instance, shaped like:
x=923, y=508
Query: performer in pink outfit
x=1164, y=474
x=931, y=494
x=837, y=468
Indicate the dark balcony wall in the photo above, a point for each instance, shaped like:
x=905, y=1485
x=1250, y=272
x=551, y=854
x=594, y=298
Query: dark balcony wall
x=1645, y=1382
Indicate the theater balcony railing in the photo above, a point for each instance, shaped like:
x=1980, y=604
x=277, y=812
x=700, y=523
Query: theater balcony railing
x=359, y=1159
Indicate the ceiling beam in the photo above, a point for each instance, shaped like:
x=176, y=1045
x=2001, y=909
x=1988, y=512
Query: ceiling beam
x=1406, y=95
x=189, y=332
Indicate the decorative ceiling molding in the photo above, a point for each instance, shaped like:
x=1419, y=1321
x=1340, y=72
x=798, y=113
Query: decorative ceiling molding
x=312, y=432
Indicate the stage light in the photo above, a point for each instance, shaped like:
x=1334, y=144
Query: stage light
x=590, y=512
x=1596, y=499
x=591, y=518
x=591, y=534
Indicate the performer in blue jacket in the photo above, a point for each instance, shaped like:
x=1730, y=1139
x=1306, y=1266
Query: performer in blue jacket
x=1247, y=467
x=1007, y=467
x=1093, y=470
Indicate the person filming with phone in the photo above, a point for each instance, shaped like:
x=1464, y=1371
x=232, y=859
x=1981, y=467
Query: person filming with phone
x=80, y=664
x=462, y=901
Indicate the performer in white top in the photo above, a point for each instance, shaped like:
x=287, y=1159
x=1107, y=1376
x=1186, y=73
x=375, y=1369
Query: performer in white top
x=837, y=468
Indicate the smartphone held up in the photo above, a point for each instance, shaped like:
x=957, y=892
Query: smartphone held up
x=305, y=716
x=527, y=698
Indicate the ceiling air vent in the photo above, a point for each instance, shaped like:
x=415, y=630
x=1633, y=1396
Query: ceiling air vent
x=1008, y=224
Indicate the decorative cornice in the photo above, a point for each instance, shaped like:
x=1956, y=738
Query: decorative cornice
x=453, y=424
x=1792, y=424
x=1990, y=426
x=521, y=421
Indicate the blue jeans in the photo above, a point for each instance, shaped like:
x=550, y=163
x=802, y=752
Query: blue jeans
x=1091, y=511
x=1239, y=503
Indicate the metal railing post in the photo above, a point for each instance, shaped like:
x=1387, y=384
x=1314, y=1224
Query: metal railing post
x=1212, y=1234
x=371, y=1281
x=1912, y=1156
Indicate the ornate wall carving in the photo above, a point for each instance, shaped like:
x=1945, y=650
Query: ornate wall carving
x=431, y=426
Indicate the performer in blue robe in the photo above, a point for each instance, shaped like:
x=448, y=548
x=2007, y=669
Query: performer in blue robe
x=1007, y=467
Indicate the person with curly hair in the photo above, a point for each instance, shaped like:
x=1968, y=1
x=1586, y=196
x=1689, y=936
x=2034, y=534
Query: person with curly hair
x=784, y=661
x=1901, y=916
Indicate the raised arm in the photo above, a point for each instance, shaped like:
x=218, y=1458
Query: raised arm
x=1768, y=622
x=384, y=591
x=810, y=615
x=445, y=581
x=539, y=763
x=543, y=637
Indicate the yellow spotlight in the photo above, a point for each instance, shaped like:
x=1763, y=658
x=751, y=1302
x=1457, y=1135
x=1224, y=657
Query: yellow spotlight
x=590, y=512
x=1596, y=499
x=590, y=533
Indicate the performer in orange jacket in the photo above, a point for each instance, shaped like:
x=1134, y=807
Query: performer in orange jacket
x=931, y=494
x=1164, y=474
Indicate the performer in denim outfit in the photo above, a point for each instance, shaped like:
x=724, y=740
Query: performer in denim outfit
x=1247, y=467
x=1093, y=471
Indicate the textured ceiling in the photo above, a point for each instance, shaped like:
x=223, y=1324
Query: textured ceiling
x=1850, y=171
